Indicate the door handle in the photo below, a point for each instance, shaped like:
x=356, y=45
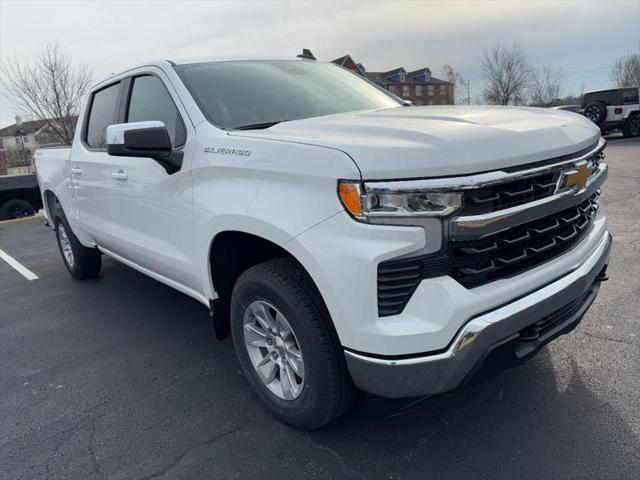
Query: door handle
x=119, y=175
x=76, y=171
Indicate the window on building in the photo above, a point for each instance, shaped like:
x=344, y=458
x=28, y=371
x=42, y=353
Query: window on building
x=101, y=114
x=430, y=90
x=443, y=88
x=430, y=102
x=150, y=100
x=405, y=91
x=25, y=139
x=393, y=89
x=418, y=90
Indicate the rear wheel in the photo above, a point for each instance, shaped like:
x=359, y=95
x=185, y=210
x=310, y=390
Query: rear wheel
x=631, y=127
x=81, y=262
x=286, y=345
x=16, y=208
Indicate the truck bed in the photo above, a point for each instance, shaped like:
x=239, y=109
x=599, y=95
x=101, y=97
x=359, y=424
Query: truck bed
x=18, y=182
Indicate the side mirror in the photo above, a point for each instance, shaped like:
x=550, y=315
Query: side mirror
x=143, y=139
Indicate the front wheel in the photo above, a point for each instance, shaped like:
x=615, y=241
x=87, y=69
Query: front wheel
x=286, y=345
x=631, y=127
x=81, y=262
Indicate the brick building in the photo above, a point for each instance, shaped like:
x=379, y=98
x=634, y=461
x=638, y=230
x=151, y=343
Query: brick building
x=419, y=86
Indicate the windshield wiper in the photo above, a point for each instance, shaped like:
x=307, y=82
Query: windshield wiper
x=257, y=126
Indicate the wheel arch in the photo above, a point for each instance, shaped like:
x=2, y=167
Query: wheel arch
x=51, y=205
x=231, y=252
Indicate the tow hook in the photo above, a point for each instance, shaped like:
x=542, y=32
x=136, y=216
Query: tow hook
x=603, y=276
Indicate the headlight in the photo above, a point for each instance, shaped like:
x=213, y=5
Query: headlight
x=376, y=201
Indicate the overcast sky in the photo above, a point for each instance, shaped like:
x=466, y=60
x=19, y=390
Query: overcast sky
x=584, y=37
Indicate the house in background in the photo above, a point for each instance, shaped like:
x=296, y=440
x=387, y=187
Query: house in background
x=19, y=141
x=349, y=63
x=419, y=86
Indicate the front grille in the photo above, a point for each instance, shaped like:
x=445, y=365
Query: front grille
x=497, y=256
x=517, y=249
x=509, y=194
x=519, y=191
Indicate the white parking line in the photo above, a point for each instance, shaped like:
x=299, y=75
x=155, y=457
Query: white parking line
x=21, y=269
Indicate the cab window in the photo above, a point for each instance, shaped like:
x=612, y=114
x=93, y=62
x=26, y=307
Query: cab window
x=150, y=100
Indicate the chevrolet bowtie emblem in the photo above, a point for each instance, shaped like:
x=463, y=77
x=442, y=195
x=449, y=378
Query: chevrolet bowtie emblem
x=575, y=179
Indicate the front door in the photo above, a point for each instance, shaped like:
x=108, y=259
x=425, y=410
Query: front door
x=151, y=210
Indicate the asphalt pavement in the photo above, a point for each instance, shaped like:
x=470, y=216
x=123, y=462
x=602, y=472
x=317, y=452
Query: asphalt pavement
x=120, y=377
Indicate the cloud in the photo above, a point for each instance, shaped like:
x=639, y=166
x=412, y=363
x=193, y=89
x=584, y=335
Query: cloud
x=112, y=35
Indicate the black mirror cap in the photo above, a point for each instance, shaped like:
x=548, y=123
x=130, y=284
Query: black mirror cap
x=151, y=143
x=153, y=139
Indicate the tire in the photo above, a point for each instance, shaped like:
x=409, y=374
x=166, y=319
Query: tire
x=81, y=262
x=16, y=208
x=324, y=387
x=596, y=112
x=631, y=127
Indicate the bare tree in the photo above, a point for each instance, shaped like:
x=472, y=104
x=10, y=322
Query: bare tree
x=459, y=84
x=49, y=87
x=545, y=86
x=507, y=75
x=625, y=72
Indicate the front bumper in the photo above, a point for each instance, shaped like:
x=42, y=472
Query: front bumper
x=491, y=341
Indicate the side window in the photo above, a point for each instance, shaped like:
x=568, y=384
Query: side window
x=630, y=96
x=101, y=114
x=150, y=100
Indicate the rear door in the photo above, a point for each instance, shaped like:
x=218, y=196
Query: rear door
x=90, y=164
x=148, y=209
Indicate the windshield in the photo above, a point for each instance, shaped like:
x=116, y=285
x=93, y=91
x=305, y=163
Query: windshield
x=261, y=93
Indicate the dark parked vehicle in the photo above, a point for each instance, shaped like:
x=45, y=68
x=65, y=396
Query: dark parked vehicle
x=19, y=196
x=615, y=109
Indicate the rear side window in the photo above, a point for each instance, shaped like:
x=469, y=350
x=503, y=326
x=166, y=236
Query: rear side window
x=101, y=114
x=630, y=96
x=608, y=97
x=150, y=100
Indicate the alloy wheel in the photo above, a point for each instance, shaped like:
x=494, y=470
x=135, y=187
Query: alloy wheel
x=65, y=245
x=274, y=350
x=592, y=113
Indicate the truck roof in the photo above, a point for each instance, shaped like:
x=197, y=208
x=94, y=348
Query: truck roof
x=194, y=60
x=231, y=58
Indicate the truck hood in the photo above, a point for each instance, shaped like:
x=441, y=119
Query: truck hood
x=412, y=142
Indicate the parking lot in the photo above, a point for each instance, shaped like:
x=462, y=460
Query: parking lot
x=120, y=377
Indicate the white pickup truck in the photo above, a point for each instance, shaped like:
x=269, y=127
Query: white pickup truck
x=346, y=241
